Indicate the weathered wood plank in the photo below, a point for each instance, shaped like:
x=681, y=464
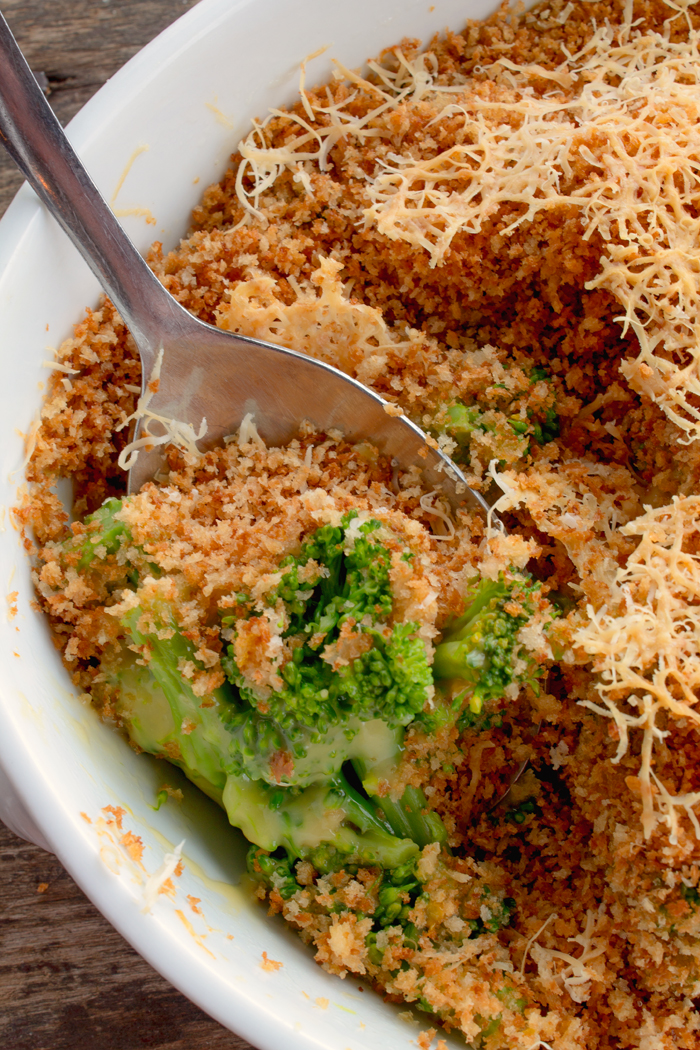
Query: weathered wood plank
x=68, y=981
x=79, y=44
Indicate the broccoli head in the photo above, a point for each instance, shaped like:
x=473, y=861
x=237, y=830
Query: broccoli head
x=517, y=412
x=299, y=767
x=336, y=597
x=480, y=648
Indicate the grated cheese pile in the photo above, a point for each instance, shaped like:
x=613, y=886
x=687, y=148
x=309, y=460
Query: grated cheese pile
x=313, y=144
x=615, y=136
x=648, y=653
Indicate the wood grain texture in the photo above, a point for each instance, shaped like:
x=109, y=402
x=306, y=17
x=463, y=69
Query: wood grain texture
x=68, y=980
x=78, y=45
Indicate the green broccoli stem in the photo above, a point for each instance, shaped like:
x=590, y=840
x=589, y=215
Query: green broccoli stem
x=319, y=824
x=489, y=590
x=189, y=731
x=426, y=825
x=457, y=658
x=410, y=817
x=164, y=659
x=358, y=810
x=378, y=842
x=368, y=848
x=102, y=531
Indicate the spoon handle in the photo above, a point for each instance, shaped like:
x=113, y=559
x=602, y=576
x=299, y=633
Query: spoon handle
x=39, y=146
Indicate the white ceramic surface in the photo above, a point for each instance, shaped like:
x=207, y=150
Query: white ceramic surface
x=187, y=98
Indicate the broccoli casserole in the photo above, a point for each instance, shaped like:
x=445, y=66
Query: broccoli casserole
x=466, y=758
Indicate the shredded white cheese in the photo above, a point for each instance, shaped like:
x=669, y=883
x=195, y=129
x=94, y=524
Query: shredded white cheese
x=248, y=432
x=577, y=973
x=58, y=366
x=647, y=652
x=174, y=431
x=439, y=510
x=532, y=940
x=623, y=150
x=262, y=164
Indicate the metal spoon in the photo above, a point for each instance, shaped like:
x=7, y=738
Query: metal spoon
x=206, y=373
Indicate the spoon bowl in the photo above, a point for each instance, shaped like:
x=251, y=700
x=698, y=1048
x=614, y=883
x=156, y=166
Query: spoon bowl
x=192, y=372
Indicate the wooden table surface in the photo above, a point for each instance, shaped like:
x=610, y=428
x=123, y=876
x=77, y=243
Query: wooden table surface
x=68, y=981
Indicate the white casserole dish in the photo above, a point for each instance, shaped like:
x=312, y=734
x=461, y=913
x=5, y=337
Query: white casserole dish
x=188, y=99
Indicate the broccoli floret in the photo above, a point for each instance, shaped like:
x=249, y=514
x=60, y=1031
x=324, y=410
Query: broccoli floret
x=410, y=817
x=482, y=432
x=317, y=814
x=496, y=913
x=355, y=581
x=394, y=889
x=390, y=680
x=396, y=896
x=385, y=685
x=281, y=764
x=103, y=532
x=93, y=548
x=465, y=423
x=480, y=647
x=546, y=428
x=462, y=420
x=545, y=424
x=272, y=869
x=519, y=814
